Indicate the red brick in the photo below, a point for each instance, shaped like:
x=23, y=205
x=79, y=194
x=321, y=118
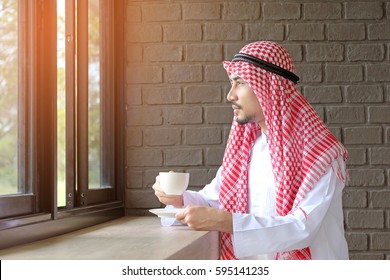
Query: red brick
x=164, y=52
x=161, y=12
x=201, y=11
x=223, y=31
x=184, y=73
x=182, y=32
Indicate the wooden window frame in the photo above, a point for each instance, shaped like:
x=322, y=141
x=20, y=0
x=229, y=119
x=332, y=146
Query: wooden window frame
x=35, y=216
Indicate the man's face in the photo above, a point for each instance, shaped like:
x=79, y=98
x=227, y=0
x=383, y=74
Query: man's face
x=246, y=106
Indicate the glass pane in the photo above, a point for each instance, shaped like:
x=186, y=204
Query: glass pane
x=61, y=189
x=94, y=93
x=8, y=97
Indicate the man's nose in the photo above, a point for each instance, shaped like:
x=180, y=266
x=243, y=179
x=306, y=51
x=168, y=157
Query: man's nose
x=231, y=96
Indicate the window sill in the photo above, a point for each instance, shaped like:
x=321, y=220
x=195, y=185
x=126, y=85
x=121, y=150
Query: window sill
x=17, y=231
x=125, y=238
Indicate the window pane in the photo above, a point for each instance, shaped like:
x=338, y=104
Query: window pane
x=8, y=97
x=94, y=93
x=61, y=190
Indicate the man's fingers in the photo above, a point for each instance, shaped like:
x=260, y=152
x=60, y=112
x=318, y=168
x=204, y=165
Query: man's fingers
x=180, y=216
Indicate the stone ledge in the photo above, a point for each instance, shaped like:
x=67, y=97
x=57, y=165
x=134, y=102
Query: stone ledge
x=126, y=238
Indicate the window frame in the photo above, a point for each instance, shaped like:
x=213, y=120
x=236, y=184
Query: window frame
x=35, y=216
x=78, y=128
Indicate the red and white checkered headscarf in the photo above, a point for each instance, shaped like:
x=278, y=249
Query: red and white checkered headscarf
x=300, y=144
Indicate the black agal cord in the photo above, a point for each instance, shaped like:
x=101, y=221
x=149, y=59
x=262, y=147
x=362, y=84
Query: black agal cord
x=266, y=66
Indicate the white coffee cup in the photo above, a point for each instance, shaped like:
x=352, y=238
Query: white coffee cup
x=174, y=183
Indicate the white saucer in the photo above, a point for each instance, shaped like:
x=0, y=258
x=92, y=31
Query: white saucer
x=167, y=213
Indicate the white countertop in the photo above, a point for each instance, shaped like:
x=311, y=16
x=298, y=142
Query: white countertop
x=126, y=238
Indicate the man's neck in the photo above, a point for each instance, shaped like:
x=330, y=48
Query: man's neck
x=263, y=128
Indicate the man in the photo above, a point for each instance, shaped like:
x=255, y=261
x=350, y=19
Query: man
x=278, y=192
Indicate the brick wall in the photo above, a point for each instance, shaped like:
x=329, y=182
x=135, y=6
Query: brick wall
x=178, y=117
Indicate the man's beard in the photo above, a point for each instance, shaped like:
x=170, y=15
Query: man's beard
x=241, y=121
x=245, y=120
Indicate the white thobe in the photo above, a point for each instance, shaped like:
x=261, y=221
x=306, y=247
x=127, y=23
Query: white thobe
x=317, y=223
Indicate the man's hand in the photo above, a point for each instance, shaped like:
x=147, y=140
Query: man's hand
x=206, y=218
x=174, y=200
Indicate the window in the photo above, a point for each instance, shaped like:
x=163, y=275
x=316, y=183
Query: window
x=8, y=97
x=61, y=84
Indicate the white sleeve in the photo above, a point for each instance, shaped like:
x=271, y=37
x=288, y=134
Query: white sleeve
x=208, y=196
x=256, y=235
